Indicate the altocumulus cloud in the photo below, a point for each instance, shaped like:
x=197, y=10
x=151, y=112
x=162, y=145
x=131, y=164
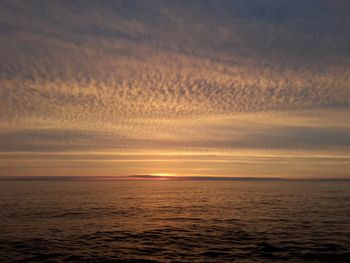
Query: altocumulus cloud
x=123, y=75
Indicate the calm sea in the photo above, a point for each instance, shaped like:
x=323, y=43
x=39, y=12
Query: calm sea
x=174, y=221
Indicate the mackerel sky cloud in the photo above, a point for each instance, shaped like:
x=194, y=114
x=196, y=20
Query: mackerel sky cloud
x=227, y=88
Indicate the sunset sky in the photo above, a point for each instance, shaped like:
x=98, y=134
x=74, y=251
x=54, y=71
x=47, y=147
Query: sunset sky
x=242, y=88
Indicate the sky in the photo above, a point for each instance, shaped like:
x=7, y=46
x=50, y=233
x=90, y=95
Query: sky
x=241, y=88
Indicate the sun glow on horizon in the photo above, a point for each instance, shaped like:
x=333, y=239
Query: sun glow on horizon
x=164, y=174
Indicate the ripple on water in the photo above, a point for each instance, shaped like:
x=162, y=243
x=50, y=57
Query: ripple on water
x=101, y=225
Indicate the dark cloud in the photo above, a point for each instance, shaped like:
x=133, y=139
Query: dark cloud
x=264, y=27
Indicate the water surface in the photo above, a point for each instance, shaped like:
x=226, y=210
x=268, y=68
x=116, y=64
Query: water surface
x=174, y=221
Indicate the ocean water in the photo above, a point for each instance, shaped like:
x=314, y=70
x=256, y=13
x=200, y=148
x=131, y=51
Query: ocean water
x=174, y=221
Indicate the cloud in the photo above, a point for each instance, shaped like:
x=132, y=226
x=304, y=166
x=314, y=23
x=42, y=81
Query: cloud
x=121, y=75
x=276, y=132
x=118, y=57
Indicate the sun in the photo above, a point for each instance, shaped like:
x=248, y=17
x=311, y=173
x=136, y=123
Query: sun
x=163, y=174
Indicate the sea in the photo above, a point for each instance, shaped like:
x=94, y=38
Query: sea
x=174, y=221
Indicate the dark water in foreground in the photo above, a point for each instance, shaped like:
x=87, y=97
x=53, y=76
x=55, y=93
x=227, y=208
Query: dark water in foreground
x=174, y=221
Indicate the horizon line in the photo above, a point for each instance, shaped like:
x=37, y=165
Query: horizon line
x=147, y=177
